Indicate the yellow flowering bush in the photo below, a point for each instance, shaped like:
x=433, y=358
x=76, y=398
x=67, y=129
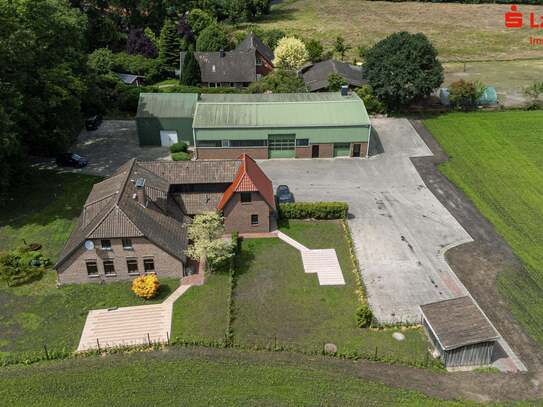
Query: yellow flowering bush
x=146, y=286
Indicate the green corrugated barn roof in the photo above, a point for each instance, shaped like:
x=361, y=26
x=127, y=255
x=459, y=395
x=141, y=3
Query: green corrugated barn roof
x=167, y=105
x=280, y=110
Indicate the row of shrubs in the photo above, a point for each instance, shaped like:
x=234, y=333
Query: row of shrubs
x=313, y=210
x=179, y=151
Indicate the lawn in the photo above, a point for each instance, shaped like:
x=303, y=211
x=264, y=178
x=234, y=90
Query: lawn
x=277, y=303
x=191, y=377
x=39, y=313
x=44, y=210
x=497, y=160
x=459, y=31
x=201, y=313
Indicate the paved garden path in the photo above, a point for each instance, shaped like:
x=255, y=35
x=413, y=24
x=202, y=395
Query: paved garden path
x=126, y=326
x=324, y=262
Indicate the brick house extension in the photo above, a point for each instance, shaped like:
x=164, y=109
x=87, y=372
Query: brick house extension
x=135, y=222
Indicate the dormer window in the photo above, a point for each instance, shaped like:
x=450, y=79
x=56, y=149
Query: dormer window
x=258, y=60
x=213, y=68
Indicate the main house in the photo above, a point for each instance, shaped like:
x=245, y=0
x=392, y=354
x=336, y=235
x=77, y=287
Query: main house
x=287, y=125
x=316, y=75
x=247, y=63
x=135, y=222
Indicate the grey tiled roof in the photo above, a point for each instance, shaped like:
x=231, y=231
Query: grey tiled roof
x=316, y=75
x=252, y=42
x=233, y=66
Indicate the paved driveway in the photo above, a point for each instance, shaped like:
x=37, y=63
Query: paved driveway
x=400, y=229
x=114, y=143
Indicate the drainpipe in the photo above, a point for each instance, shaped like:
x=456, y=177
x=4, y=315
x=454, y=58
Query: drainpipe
x=369, y=138
x=195, y=148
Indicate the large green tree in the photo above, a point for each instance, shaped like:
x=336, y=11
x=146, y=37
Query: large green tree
x=402, y=68
x=212, y=38
x=41, y=50
x=190, y=72
x=279, y=81
x=169, y=46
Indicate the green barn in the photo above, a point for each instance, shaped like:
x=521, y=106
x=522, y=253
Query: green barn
x=165, y=118
x=288, y=125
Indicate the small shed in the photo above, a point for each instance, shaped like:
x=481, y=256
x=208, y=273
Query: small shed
x=165, y=118
x=461, y=334
x=129, y=79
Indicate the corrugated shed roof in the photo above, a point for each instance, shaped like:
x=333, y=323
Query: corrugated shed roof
x=316, y=75
x=286, y=110
x=167, y=105
x=458, y=322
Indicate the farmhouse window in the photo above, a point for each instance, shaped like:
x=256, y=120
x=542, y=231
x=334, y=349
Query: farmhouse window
x=106, y=244
x=149, y=265
x=109, y=268
x=127, y=244
x=132, y=266
x=254, y=220
x=246, y=197
x=92, y=269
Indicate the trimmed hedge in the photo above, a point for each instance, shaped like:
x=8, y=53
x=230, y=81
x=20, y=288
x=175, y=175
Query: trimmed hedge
x=180, y=156
x=313, y=210
x=179, y=147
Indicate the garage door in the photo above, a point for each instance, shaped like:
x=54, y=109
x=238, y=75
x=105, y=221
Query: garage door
x=282, y=145
x=342, y=149
x=168, y=137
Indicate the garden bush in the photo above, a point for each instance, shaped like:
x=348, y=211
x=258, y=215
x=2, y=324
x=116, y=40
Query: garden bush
x=180, y=156
x=21, y=266
x=179, y=147
x=313, y=210
x=364, y=316
x=146, y=286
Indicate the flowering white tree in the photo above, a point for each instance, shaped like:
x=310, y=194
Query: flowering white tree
x=290, y=54
x=207, y=243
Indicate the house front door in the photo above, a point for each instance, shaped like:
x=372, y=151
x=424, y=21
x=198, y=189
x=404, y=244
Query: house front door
x=315, y=151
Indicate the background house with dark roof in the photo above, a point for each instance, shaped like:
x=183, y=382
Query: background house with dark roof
x=247, y=63
x=316, y=75
x=135, y=222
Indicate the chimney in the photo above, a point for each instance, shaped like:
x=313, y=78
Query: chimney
x=140, y=191
x=344, y=90
x=222, y=53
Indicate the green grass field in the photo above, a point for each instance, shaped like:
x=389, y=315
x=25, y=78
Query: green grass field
x=44, y=211
x=276, y=302
x=189, y=377
x=497, y=160
x=201, y=313
x=459, y=31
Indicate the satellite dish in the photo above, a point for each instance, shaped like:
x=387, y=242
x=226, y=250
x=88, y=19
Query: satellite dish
x=89, y=245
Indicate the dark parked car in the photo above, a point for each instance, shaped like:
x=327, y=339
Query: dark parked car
x=284, y=195
x=92, y=123
x=71, y=160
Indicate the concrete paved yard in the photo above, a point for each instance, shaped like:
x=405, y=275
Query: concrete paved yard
x=114, y=143
x=401, y=231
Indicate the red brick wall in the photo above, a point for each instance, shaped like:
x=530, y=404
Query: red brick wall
x=231, y=153
x=266, y=66
x=303, y=152
x=74, y=270
x=237, y=215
